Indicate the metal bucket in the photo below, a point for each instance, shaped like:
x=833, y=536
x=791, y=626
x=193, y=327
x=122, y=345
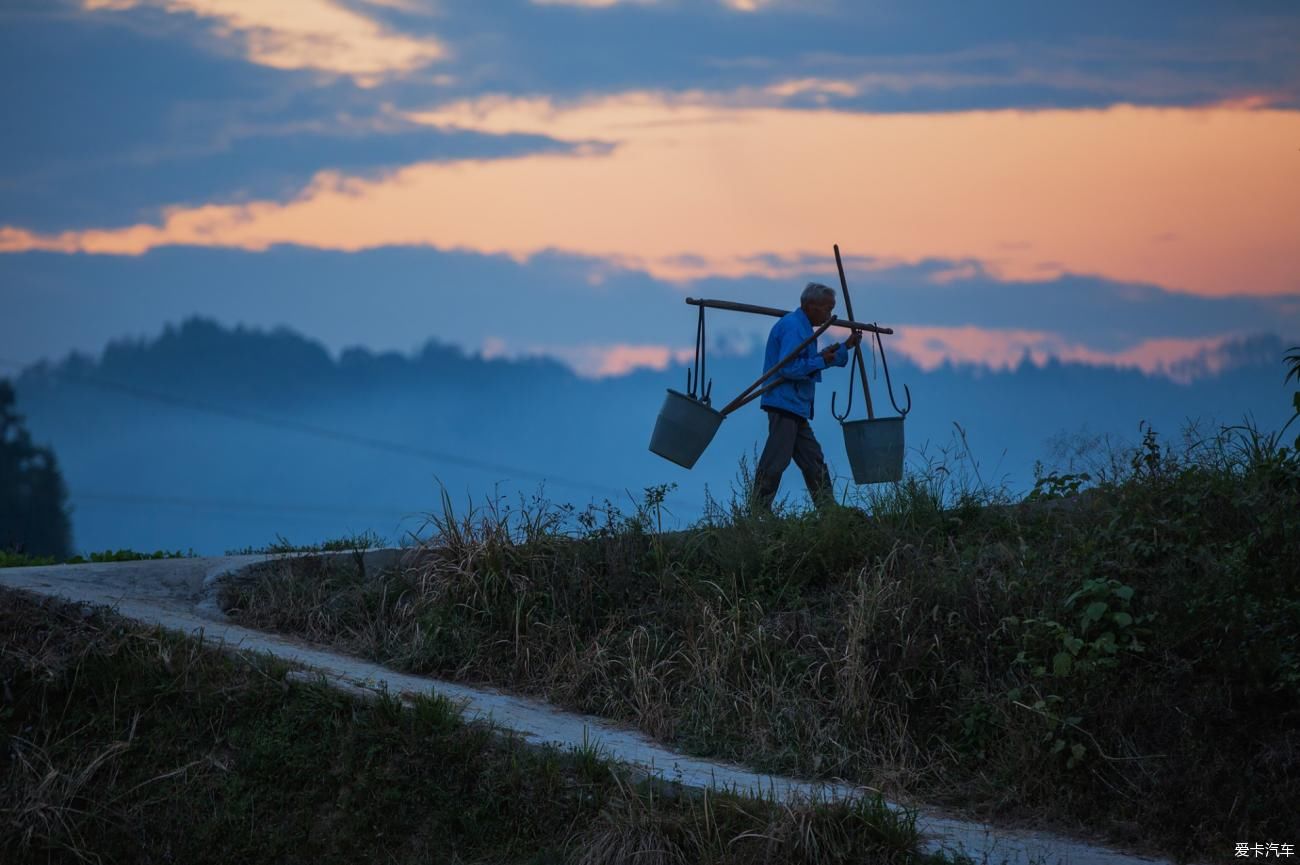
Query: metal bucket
x=875, y=449
x=684, y=429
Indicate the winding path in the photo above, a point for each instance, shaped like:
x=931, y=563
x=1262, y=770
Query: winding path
x=179, y=594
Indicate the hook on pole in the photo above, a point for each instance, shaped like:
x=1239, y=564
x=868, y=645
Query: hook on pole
x=693, y=383
x=889, y=385
x=853, y=371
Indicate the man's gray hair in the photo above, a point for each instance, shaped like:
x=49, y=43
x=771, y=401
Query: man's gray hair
x=815, y=291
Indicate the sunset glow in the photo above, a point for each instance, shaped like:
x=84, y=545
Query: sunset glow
x=1198, y=200
x=1113, y=190
x=594, y=361
x=1001, y=349
x=927, y=347
x=303, y=34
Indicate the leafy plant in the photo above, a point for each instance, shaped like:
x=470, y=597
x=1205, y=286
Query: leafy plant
x=1101, y=630
x=1054, y=485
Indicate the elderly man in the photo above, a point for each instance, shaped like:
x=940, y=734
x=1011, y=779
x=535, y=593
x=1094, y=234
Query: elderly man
x=789, y=405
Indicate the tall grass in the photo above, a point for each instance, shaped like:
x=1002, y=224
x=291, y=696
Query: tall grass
x=125, y=744
x=1117, y=649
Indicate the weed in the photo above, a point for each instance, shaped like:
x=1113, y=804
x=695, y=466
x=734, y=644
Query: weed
x=356, y=543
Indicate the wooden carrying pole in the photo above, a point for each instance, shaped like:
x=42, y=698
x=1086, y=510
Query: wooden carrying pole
x=777, y=313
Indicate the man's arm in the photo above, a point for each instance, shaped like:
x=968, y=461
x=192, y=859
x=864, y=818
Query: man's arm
x=801, y=367
x=838, y=355
x=841, y=354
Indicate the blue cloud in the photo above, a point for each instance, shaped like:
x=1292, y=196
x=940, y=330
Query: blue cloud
x=943, y=55
x=398, y=298
x=110, y=123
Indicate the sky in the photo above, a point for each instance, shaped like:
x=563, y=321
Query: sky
x=1106, y=182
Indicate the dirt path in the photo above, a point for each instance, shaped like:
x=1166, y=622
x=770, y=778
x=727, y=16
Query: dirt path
x=179, y=594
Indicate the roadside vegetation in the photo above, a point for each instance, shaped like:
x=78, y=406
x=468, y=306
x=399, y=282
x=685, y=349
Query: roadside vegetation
x=355, y=543
x=1117, y=653
x=22, y=560
x=127, y=744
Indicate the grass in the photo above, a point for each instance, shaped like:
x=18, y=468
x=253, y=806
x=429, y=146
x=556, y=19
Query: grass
x=356, y=543
x=127, y=744
x=1116, y=651
x=359, y=542
x=22, y=560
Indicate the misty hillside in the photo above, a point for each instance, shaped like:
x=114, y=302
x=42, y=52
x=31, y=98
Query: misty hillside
x=210, y=438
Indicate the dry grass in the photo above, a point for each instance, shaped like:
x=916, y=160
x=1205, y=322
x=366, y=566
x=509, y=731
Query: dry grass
x=125, y=744
x=1069, y=660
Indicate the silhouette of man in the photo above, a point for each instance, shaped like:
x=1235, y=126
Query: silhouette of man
x=789, y=405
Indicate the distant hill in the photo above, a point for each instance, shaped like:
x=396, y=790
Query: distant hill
x=216, y=438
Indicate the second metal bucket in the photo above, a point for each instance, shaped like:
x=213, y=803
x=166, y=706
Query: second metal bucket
x=875, y=449
x=684, y=429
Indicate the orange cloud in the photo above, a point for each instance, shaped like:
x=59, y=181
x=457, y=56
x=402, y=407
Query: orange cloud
x=596, y=361
x=1202, y=200
x=305, y=34
x=930, y=347
x=591, y=4
x=735, y=5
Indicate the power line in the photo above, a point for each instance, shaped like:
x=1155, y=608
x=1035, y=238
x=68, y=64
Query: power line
x=326, y=433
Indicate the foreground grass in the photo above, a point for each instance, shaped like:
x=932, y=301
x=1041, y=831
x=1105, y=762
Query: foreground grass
x=1125, y=660
x=132, y=745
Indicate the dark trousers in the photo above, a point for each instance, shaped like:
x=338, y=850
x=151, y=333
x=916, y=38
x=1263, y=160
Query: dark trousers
x=790, y=436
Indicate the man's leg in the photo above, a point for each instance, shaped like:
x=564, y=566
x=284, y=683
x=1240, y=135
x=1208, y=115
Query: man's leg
x=811, y=461
x=782, y=432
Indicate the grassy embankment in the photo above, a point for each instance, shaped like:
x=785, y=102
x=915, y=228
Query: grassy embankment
x=1125, y=660
x=128, y=744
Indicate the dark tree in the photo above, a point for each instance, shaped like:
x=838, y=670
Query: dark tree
x=33, y=511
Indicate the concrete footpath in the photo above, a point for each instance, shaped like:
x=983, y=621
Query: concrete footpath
x=180, y=594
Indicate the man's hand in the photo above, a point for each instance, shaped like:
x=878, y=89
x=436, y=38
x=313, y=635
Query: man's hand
x=852, y=342
x=828, y=353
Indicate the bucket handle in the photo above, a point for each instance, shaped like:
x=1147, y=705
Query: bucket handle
x=746, y=395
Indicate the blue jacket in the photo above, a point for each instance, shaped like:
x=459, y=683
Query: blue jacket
x=799, y=376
